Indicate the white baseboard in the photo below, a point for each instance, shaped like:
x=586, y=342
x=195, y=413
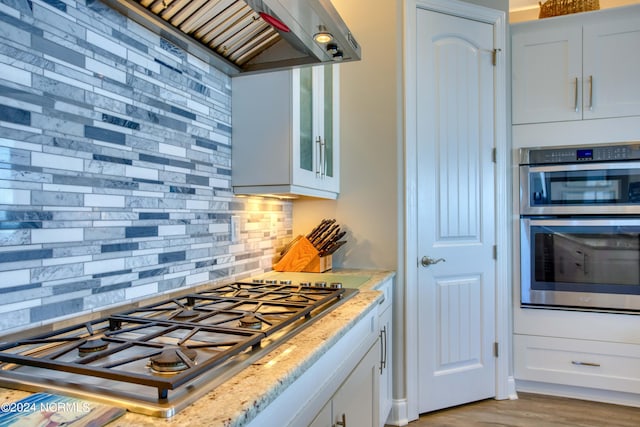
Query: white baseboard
x=399, y=413
x=512, y=389
x=584, y=393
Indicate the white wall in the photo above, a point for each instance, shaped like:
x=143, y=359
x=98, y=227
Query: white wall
x=370, y=205
x=529, y=10
x=370, y=144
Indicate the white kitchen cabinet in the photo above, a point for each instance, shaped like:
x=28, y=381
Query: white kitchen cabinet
x=580, y=354
x=576, y=67
x=285, y=138
x=355, y=402
x=324, y=417
x=385, y=364
x=353, y=359
x=575, y=362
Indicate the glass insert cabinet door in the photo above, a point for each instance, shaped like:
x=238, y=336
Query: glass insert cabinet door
x=315, y=137
x=306, y=139
x=327, y=164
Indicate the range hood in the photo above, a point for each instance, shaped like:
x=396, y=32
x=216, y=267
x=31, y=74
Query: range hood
x=248, y=36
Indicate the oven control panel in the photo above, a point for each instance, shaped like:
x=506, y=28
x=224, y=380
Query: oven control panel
x=578, y=154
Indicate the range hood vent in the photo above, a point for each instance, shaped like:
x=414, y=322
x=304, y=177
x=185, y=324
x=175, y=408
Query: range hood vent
x=234, y=35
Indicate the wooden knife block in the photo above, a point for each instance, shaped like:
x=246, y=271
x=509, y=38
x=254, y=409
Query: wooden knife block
x=303, y=256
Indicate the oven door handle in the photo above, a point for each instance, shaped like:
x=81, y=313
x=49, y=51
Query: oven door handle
x=526, y=169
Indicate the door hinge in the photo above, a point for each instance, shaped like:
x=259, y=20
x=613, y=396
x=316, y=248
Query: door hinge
x=496, y=350
x=494, y=56
x=495, y=252
x=494, y=155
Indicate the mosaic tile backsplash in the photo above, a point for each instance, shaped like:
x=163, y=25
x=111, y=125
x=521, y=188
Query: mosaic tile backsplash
x=115, y=167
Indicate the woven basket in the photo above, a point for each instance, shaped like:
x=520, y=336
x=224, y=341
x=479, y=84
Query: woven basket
x=564, y=7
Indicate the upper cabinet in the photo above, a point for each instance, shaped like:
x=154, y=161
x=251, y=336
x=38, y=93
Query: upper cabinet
x=577, y=67
x=285, y=138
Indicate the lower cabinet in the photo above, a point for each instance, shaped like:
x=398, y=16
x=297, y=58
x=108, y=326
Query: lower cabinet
x=346, y=376
x=575, y=362
x=355, y=403
x=385, y=364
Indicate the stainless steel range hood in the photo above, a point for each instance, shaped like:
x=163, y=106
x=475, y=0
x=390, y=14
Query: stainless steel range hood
x=234, y=35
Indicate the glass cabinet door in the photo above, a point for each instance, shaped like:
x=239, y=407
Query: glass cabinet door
x=315, y=142
x=328, y=121
x=306, y=119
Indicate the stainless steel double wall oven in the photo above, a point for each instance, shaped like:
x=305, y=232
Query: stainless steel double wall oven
x=580, y=227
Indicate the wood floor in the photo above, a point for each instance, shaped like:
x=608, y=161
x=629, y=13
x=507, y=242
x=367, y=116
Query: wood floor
x=533, y=410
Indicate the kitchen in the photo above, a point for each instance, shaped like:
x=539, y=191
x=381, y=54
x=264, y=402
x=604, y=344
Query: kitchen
x=192, y=105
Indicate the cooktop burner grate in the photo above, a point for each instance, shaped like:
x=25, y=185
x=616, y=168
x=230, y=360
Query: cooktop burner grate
x=166, y=345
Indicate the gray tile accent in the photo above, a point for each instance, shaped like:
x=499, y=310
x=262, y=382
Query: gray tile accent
x=53, y=49
x=139, y=161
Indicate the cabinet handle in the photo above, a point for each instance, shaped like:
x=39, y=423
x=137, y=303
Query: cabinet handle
x=383, y=348
x=323, y=158
x=590, y=93
x=342, y=423
x=576, y=362
x=318, y=158
x=575, y=98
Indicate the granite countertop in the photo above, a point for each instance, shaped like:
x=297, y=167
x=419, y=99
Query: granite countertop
x=236, y=401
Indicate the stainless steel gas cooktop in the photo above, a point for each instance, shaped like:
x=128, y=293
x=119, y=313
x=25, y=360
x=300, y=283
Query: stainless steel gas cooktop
x=159, y=358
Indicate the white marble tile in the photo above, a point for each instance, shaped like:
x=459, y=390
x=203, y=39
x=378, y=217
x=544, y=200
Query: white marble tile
x=66, y=188
x=15, y=75
x=57, y=235
x=4, y=142
x=138, y=172
x=171, y=230
x=219, y=228
x=173, y=150
x=143, y=61
x=196, y=106
x=7, y=308
x=194, y=279
x=9, y=10
x=104, y=200
x=64, y=79
x=141, y=291
x=106, y=70
x=104, y=266
x=14, y=277
x=55, y=161
x=141, y=260
x=107, y=44
x=219, y=183
x=15, y=197
x=198, y=204
x=66, y=260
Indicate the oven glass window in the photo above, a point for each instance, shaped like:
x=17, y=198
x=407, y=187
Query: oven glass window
x=584, y=187
x=600, y=259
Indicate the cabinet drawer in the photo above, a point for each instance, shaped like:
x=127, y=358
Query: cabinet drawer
x=387, y=289
x=594, y=364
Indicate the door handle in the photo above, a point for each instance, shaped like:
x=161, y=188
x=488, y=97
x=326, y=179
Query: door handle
x=590, y=93
x=426, y=261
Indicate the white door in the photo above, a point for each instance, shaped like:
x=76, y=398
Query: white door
x=456, y=210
